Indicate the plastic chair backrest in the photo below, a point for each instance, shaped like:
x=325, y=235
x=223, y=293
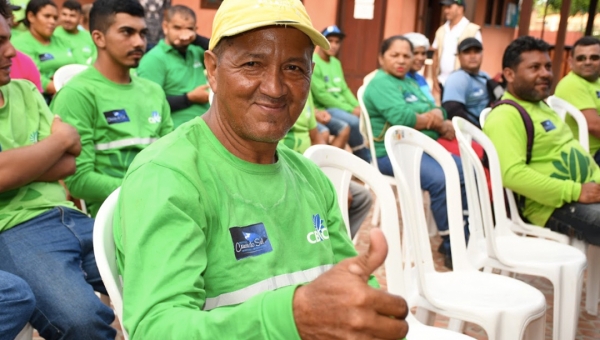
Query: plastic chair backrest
x=405, y=147
x=340, y=165
x=65, y=73
x=365, y=124
x=483, y=115
x=562, y=107
x=104, y=250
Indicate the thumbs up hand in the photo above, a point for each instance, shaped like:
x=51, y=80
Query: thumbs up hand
x=341, y=305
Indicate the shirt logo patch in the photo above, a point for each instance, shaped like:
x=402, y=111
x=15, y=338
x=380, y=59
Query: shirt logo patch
x=46, y=57
x=155, y=118
x=548, y=125
x=116, y=116
x=250, y=241
x=410, y=98
x=320, y=234
x=478, y=93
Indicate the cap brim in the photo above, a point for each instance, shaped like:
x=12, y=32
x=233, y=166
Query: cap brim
x=469, y=47
x=340, y=35
x=315, y=36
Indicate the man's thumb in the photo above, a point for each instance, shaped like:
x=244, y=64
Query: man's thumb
x=366, y=263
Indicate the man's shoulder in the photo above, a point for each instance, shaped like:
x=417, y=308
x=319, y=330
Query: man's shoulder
x=147, y=85
x=458, y=75
x=22, y=85
x=84, y=81
x=571, y=79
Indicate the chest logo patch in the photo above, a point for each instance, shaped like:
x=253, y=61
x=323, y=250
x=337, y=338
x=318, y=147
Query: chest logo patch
x=116, y=116
x=548, y=125
x=320, y=234
x=46, y=57
x=410, y=98
x=250, y=241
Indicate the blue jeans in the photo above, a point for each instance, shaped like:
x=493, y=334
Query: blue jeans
x=54, y=254
x=577, y=220
x=356, y=140
x=432, y=180
x=16, y=305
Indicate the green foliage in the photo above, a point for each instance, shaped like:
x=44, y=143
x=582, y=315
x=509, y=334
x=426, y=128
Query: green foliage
x=577, y=6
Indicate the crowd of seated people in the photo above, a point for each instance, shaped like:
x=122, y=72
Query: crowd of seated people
x=124, y=120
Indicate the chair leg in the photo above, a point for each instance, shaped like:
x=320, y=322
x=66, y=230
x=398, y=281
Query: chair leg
x=567, y=304
x=536, y=330
x=456, y=325
x=593, y=280
x=425, y=316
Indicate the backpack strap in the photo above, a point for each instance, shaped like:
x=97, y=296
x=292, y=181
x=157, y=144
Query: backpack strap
x=526, y=121
x=529, y=130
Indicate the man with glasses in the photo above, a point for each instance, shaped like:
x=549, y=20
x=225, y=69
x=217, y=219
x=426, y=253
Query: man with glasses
x=581, y=87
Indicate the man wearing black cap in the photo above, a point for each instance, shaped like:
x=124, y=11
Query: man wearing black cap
x=331, y=93
x=456, y=29
x=466, y=93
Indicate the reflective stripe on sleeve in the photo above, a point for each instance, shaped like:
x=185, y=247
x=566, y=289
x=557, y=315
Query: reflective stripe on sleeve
x=272, y=283
x=125, y=142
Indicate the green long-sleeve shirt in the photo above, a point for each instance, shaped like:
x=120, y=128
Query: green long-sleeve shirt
x=328, y=86
x=394, y=101
x=47, y=58
x=115, y=122
x=213, y=247
x=558, y=166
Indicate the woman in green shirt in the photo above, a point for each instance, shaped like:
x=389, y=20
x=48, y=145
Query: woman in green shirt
x=47, y=51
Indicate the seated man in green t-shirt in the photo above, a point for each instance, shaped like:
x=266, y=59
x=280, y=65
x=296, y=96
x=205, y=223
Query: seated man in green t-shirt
x=581, y=87
x=81, y=41
x=44, y=239
x=177, y=65
x=560, y=181
x=117, y=115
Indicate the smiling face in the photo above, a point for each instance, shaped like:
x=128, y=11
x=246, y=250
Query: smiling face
x=124, y=41
x=43, y=22
x=531, y=80
x=585, y=62
x=261, y=80
x=420, y=55
x=69, y=19
x=397, y=60
x=7, y=52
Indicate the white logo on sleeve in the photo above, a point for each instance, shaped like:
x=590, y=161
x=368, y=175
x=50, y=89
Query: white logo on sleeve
x=320, y=234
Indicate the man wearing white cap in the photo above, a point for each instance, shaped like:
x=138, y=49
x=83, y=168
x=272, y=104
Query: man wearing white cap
x=223, y=234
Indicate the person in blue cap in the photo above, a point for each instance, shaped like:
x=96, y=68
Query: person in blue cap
x=331, y=93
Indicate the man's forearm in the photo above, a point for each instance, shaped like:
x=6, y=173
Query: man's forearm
x=64, y=167
x=91, y=185
x=24, y=165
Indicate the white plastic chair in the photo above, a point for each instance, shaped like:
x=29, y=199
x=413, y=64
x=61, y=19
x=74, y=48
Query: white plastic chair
x=367, y=131
x=496, y=246
x=340, y=165
x=105, y=253
x=592, y=283
x=507, y=309
x=65, y=73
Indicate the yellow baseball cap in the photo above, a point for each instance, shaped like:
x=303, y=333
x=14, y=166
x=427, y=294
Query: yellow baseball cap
x=238, y=16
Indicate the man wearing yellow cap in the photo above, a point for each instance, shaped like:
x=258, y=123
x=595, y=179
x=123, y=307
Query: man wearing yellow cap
x=221, y=232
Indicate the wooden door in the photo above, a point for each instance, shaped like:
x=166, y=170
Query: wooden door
x=360, y=48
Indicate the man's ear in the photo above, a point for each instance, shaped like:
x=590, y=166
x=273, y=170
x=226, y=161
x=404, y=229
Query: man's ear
x=164, y=27
x=99, y=39
x=210, y=62
x=509, y=74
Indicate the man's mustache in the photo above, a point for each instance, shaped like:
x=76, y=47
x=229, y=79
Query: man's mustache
x=137, y=50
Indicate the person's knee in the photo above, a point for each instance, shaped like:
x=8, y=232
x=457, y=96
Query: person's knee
x=15, y=291
x=88, y=316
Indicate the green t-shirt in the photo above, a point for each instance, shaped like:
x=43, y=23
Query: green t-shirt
x=298, y=138
x=558, y=163
x=394, y=101
x=218, y=233
x=177, y=75
x=115, y=122
x=24, y=120
x=83, y=46
x=583, y=95
x=47, y=58
x=329, y=87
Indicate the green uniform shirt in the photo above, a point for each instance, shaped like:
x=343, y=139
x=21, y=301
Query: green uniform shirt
x=24, y=120
x=83, y=46
x=394, y=101
x=298, y=138
x=115, y=122
x=47, y=58
x=558, y=163
x=177, y=75
x=583, y=95
x=329, y=87
x=199, y=229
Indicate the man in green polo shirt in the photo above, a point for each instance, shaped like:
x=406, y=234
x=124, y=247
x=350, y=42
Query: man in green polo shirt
x=117, y=115
x=84, y=49
x=581, y=87
x=178, y=66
